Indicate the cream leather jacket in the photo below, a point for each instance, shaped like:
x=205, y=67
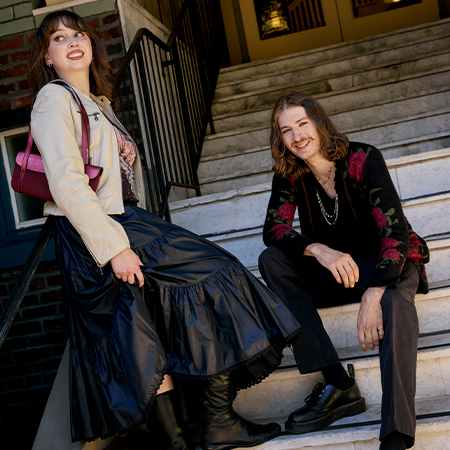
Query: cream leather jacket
x=56, y=128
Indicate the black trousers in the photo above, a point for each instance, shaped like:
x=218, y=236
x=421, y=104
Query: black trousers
x=307, y=285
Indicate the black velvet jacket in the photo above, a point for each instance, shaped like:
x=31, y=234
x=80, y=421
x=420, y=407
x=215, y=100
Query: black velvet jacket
x=372, y=197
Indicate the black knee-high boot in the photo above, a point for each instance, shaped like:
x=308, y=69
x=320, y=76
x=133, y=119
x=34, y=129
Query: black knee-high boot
x=163, y=423
x=222, y=428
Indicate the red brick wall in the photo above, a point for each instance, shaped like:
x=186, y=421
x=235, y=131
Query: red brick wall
x=14, y=89
x=31, y=353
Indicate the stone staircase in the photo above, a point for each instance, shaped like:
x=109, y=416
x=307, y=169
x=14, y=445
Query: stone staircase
x=391, y=91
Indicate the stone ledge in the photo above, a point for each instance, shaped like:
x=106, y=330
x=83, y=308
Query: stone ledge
x=58, y=6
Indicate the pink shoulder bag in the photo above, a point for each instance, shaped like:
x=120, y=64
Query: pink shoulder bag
x=29, y=175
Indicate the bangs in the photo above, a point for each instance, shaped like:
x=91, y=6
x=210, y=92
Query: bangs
x=68, y=19
x=70, y=22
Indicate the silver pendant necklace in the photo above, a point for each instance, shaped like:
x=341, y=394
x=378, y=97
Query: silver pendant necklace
x=325, y=183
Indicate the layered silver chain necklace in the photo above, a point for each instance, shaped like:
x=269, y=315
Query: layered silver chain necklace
x=330, y=218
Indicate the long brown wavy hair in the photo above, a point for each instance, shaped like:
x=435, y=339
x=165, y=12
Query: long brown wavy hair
x=39, y=74
x=334, y=145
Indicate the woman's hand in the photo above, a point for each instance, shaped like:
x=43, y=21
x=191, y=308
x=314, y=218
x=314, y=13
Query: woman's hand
x=370, y=318
x=126, y=265
x=341, y=265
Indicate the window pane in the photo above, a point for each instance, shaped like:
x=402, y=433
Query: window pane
x=28, y=208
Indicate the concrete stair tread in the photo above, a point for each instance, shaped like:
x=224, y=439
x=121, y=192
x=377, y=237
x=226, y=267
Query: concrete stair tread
x=431, y=412
x=285, y=389
x=364, y=45
x=398, y=137
x=259, y=116
x=212, y=138
x=256, y=162
x=393, y=162
x=263, y=187
x=222, y=231
x=429, y=345
x=332, y=79
x=433, y=416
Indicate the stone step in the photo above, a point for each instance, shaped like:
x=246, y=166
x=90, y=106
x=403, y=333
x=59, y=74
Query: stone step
x=354, y=75
x=351, y=433
x=396, y=138
x=243, y=238
x=333, y=53
x=362, y=432
x=228, y=161
x=429, y=216
x=284, y=390
x=353, y=99
x=247, y=175
x=416, y=92
x=414, y=176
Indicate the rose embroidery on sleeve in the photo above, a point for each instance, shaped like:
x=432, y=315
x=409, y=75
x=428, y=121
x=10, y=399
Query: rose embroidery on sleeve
x=391, y=253
x=286, y=212
x=380, y=218
x=283, y=217
x=280, y=230
x=356, y=163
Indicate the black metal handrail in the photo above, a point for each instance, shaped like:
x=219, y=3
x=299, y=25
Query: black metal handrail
x=172, y=85
x=167, y=118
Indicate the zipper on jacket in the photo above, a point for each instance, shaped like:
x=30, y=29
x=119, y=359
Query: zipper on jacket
x=93, y=114
x=92, y=254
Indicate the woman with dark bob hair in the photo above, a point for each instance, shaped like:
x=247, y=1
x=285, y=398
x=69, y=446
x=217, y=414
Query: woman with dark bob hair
x=355, y=245
x=144, y=298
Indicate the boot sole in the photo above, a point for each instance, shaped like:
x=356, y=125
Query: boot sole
x=232, y=446
x=351, y=409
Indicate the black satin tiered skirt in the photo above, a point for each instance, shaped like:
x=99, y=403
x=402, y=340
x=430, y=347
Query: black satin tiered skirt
x=199, y=313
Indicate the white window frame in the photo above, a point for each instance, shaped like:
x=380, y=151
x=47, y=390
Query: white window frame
x=18, y=223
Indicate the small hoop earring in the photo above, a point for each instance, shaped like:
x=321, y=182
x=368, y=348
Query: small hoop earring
x=49, y=64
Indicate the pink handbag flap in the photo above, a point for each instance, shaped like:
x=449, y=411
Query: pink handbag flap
x=93, y=171
x=35, y=164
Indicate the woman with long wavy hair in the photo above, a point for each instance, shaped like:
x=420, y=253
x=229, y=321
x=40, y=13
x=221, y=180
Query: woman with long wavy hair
x=144, y=298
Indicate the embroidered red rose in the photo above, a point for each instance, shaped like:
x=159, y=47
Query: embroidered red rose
x=414, y=240
x=391, y=253
x=356, y=165
x=414, y=255
x=388, y=243
x=281, y=229
x=286, y=212
x=380, y=218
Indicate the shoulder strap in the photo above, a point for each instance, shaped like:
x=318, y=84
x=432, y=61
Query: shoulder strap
x=85, y=128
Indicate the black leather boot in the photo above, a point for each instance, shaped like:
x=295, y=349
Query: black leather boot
x=162, y=423
x=222, y=428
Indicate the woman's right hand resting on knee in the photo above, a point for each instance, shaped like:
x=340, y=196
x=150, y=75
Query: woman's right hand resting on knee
x=126, y=265
x=341, y=265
